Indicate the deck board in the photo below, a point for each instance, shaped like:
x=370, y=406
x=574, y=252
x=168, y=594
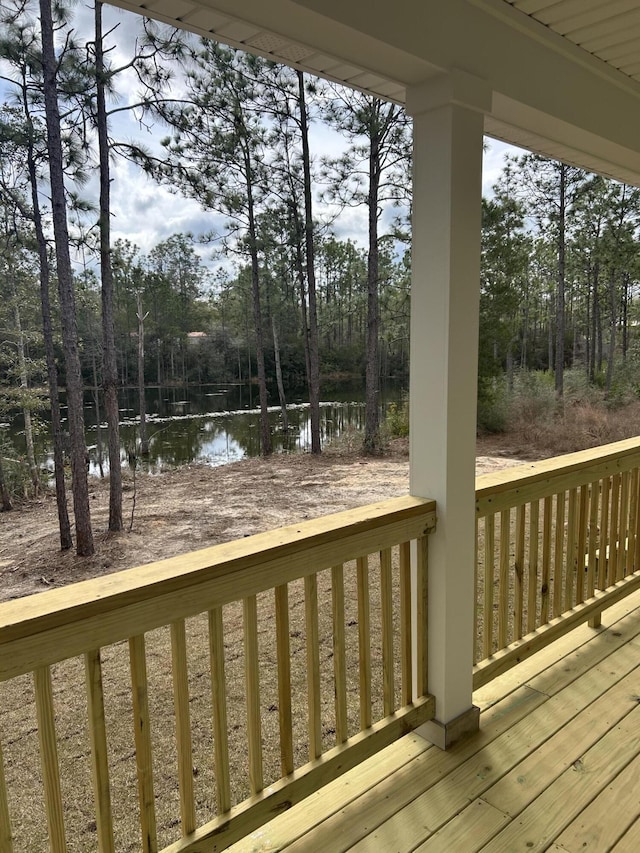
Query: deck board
x=479, y=821
x=608, y=816
x=553, y=767
x=545, y=818
x=630, y=840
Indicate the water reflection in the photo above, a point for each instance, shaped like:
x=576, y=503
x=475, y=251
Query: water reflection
x=213, y=425
x=216, y=438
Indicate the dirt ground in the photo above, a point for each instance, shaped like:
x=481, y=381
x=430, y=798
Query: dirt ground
x=177, y=512
x=196, y=506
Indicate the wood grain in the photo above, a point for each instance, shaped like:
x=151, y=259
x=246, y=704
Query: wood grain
x=99, y=755
x=180, y=676
x=49, y=759
x=142, y=737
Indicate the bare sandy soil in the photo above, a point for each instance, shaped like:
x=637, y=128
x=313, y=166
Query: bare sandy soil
x=178, y=512
x=197, y=506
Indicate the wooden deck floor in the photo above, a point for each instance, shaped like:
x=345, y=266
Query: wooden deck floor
x=555, y=766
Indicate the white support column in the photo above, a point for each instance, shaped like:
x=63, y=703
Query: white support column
x=447, y=192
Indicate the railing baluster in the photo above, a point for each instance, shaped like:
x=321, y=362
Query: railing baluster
x=175, y=596
x=613, y=530
x=503, y=599
x=545, y=588
x=386, y=610
x=219, y=705
x=364, y=641
x=475, y=586
x=633, y=512
x=422, y=592
x=142, y=733
x=252, y=686
x=284, y=679
x=99, y=762
x=489, y=564
x=313, y=665
x=558, y=561
x=595, y=620
x=6, y=843
x=532, y=598
x=183, y=725
x=623, y=530
x=586, y=537
x=405, y=622
x=636, y=526
x=570, y=563
x=603, y=561
x=49, y=759
x=518, y=594
x=592, y=562
x=582, y=542
x=339, y=655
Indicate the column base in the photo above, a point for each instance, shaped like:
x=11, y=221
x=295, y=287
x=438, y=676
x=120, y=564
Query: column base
x=444, y=735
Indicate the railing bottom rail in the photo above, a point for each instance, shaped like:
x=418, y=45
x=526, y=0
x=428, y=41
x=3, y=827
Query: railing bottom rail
x=533, y=642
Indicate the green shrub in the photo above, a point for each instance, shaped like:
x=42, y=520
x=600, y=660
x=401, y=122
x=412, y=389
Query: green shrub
x=492, y=407
x=397, y=418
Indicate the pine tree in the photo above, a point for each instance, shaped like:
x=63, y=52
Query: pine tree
x=78, y=450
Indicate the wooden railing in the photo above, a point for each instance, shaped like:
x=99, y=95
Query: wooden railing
x=302, y=638
x=558, y=541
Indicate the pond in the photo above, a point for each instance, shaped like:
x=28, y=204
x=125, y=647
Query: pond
x=213, y=424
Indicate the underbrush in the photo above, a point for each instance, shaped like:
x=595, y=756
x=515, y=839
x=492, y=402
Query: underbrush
x=541, y=424
x=397, y=419
x=15, y=471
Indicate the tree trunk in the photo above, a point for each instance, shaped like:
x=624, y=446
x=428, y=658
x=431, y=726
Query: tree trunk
x=26, y=411
x=110, y=365
x=303, y=298
x=281, y=394
x=612, y=334
x=550, y=332
x=265, y=432
x=5, y=497
x=594, y=329
x=372, y=443
x=64, y=525
x=509, y=366
x=142, y=403
x=525, y=334
x=625, y=316
x=314, y=354
x=96, y=399
x=560, y=294
x=80, y=486
x=599, y=347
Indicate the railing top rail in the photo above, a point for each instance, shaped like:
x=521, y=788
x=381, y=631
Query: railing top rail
x=60, y=623
x=533, y=480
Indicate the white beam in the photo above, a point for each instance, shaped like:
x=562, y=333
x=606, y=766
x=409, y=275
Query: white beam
x=444, y=355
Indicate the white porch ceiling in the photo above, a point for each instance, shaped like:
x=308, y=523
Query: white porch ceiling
x=607, y=29
x=565, y=75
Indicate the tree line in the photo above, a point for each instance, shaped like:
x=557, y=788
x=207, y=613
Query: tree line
x=285, y=300
x=560, y=276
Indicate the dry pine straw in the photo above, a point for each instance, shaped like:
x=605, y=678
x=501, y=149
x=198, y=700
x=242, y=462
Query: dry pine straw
x=19, y=729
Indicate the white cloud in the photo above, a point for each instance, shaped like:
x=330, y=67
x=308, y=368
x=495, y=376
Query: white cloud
x=493, y=162
x=147, y=213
